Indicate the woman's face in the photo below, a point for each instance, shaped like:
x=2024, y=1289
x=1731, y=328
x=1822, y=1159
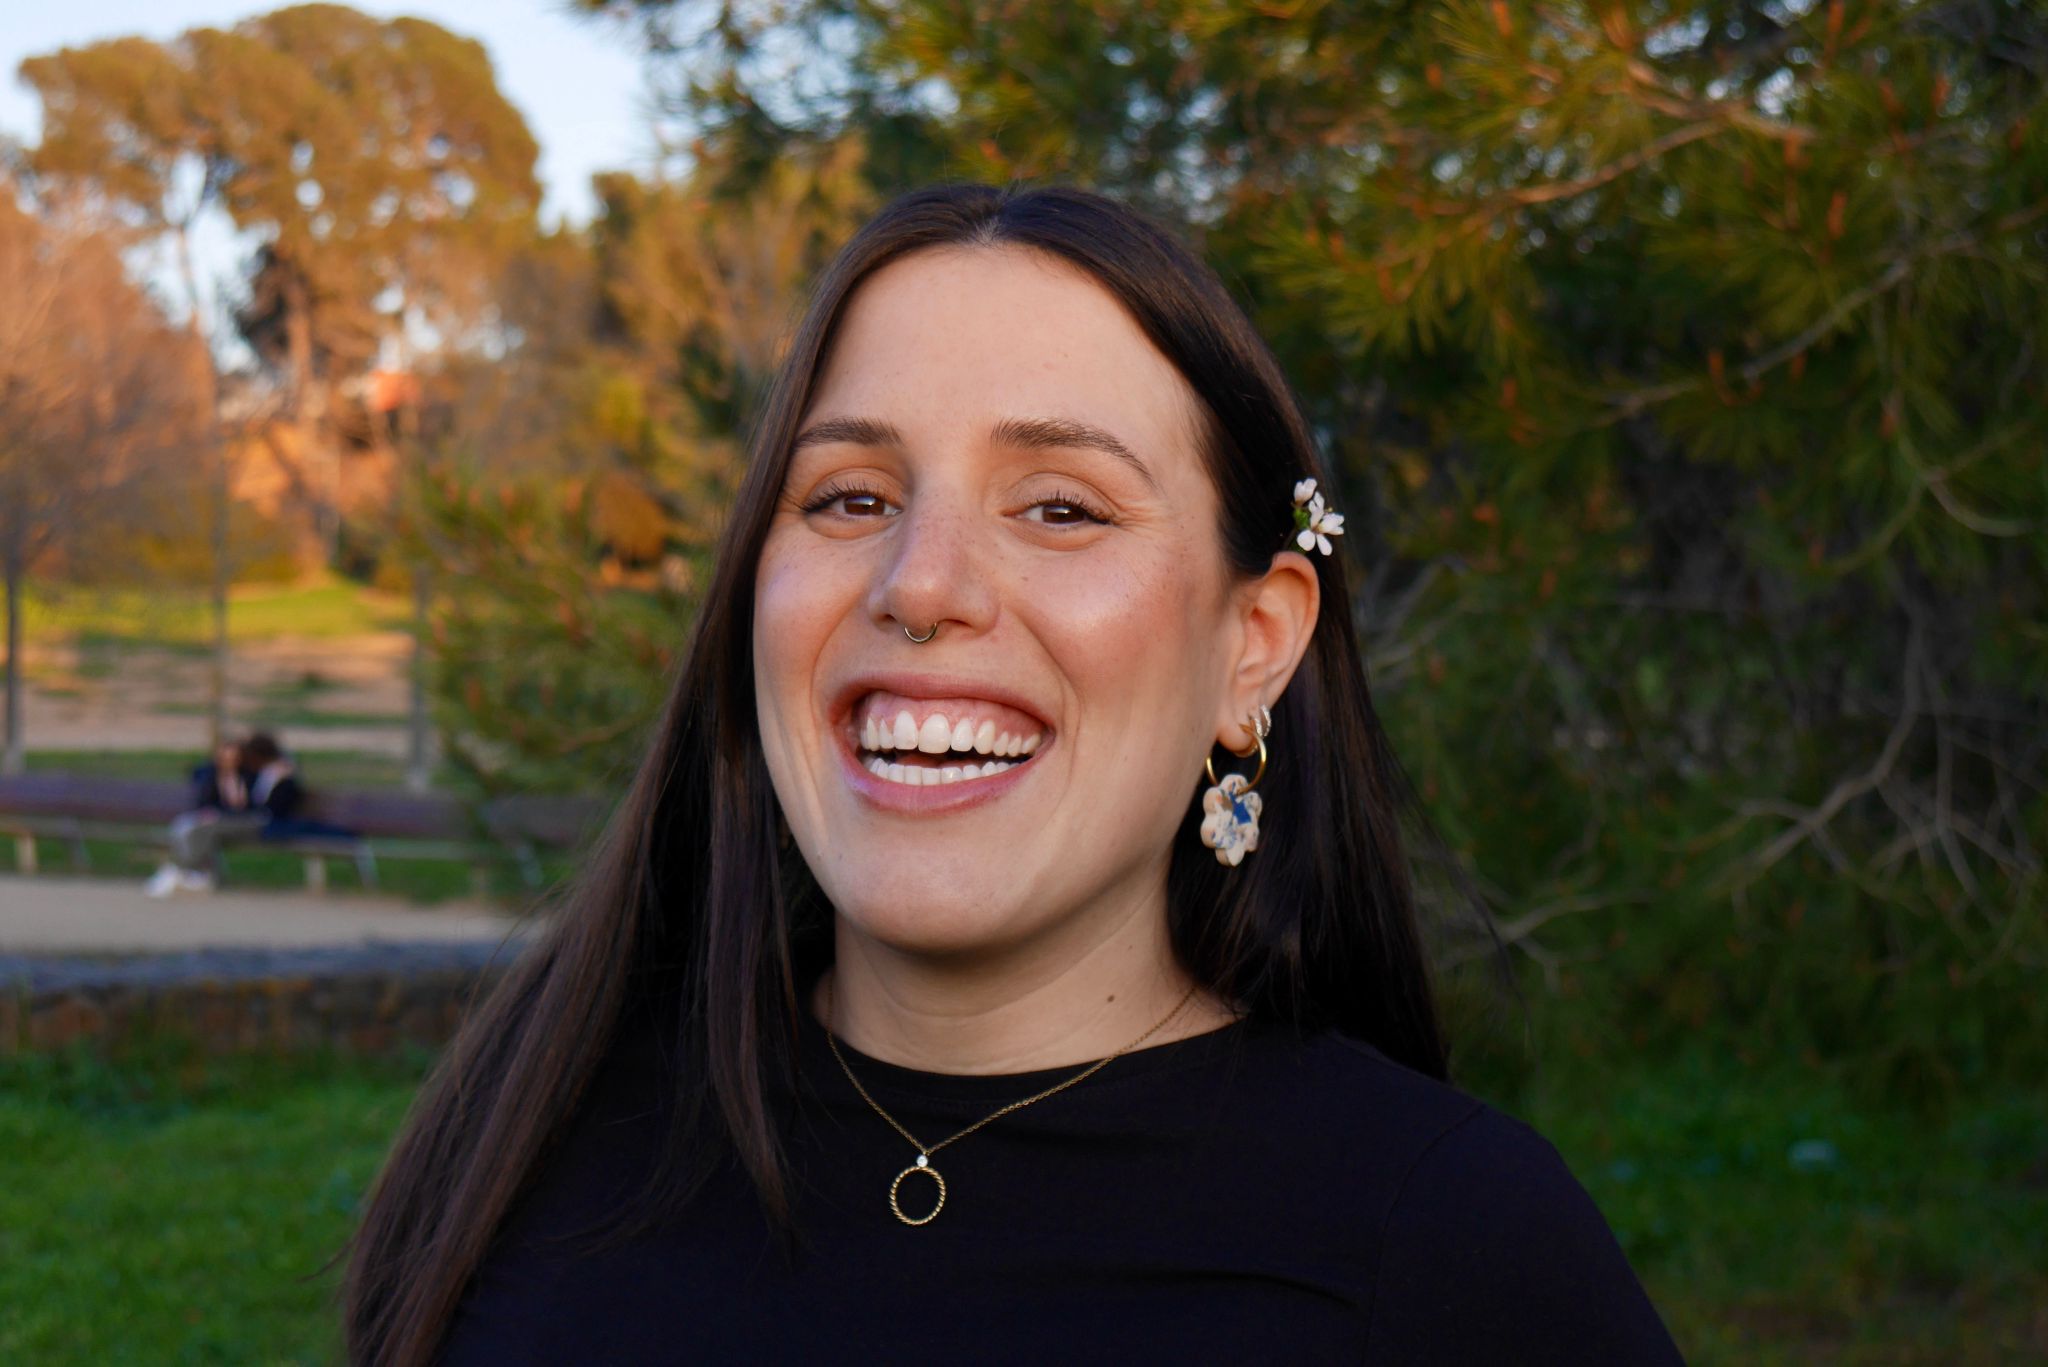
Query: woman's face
x=994, y=447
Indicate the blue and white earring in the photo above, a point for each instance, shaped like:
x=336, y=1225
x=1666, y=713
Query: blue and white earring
x=1230, y=809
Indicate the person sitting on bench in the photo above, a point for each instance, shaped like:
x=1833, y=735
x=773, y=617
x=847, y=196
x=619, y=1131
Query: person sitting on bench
x=245, y=789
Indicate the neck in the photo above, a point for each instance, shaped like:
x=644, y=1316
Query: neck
x=1089, y=992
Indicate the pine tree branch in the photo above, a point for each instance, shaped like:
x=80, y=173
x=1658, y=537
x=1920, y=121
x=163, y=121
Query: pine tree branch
x=1720, y=117
x=1517, y=933
x=1629, y=403
x=1936, y=481
x=1812, y=821
x=1480, y=215
x=1616, y=169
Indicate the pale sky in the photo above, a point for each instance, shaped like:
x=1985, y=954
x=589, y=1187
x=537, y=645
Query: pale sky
x=577, y=81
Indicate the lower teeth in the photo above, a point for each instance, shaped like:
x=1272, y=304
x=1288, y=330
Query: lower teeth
x=915, y=775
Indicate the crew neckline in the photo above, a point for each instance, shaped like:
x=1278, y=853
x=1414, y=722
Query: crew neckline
x=879, y=1075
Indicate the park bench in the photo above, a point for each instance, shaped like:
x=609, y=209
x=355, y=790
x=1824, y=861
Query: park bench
x=77, y=807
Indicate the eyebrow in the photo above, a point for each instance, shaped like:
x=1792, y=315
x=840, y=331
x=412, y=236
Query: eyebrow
x=1029, y=434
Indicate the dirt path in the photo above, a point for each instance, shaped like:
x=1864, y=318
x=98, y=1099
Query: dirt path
x=51, y=915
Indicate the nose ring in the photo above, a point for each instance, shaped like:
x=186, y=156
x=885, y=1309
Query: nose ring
x=933, y=631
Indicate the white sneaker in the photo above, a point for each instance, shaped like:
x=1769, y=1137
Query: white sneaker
x=195, y=880
x=164, y=881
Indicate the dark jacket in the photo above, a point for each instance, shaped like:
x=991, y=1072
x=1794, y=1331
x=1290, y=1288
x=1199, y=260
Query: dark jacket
x=284, y=801
x=206, y=789
x=280, y=800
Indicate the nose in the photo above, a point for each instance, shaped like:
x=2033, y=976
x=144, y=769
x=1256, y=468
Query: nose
x=938, y=568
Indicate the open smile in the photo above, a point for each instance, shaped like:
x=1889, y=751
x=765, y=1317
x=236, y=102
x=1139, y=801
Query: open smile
x=927, y=741
x=902, y=745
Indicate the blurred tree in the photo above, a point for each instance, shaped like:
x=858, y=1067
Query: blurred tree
x=99, y=406
x=382, y=167
x=377, y=160
x=139, y=161
x=1682, y=364
x=589, y=455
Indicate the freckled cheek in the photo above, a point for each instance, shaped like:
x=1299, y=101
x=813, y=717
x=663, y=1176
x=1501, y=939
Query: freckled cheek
x=1119, y=630
x=797, y=604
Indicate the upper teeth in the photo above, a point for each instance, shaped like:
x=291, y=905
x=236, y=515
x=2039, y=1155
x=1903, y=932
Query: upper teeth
x=939, y=734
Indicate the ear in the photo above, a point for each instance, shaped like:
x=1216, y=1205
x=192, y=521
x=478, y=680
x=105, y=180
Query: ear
x=1276, y=617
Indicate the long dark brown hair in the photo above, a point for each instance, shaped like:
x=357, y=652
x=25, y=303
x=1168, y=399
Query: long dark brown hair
x=694, y=908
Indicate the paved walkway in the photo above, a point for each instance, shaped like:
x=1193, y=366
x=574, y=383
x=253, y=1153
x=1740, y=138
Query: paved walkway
x=57, y=915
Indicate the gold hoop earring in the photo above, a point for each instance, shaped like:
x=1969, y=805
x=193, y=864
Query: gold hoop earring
x=1260, y=724
x=1209, y=767
x=1230, y=809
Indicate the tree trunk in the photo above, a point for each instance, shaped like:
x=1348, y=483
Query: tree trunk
x=223, y=572
x=13, y=754
x=216, y=453
x=419, y=772
x=309, y=415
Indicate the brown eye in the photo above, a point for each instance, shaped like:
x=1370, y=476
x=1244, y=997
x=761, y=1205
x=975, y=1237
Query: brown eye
x=848, y=502
x=1064, y=511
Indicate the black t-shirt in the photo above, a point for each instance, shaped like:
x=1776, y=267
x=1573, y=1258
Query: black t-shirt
x=1246, y=1195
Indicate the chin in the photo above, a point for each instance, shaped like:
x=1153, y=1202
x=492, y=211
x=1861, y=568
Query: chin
x=934, y=917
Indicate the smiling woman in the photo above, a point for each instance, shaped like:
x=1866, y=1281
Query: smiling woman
x=921, y=855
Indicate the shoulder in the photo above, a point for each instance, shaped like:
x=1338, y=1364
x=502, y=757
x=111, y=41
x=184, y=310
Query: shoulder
x=1477, y=1240
x=1358, y=1070
x=1335, y=1127
x=1349, y=1106
x=1491, y=1247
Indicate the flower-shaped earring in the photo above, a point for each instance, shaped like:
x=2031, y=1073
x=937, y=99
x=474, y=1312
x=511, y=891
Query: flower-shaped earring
x=1230, y=809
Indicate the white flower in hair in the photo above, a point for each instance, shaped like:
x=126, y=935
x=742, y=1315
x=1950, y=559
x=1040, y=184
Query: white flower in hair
x=1314, y=523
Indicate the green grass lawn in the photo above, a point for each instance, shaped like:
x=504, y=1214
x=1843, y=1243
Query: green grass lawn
x=277, y=717
x=1777, y=1221
x=169, y=1208
x=173, y=1211
x=329, y=768
x=182, y=619
x=414, y=880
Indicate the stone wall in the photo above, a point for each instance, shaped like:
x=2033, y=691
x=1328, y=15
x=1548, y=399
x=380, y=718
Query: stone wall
x=368, y=999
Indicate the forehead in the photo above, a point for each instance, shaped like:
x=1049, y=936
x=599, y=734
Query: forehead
x=948, y=339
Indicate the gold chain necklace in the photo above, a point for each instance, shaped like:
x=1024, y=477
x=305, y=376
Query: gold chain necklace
x=924, y=1155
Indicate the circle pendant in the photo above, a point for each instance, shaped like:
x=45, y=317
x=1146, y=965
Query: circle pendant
x=920, y=1168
